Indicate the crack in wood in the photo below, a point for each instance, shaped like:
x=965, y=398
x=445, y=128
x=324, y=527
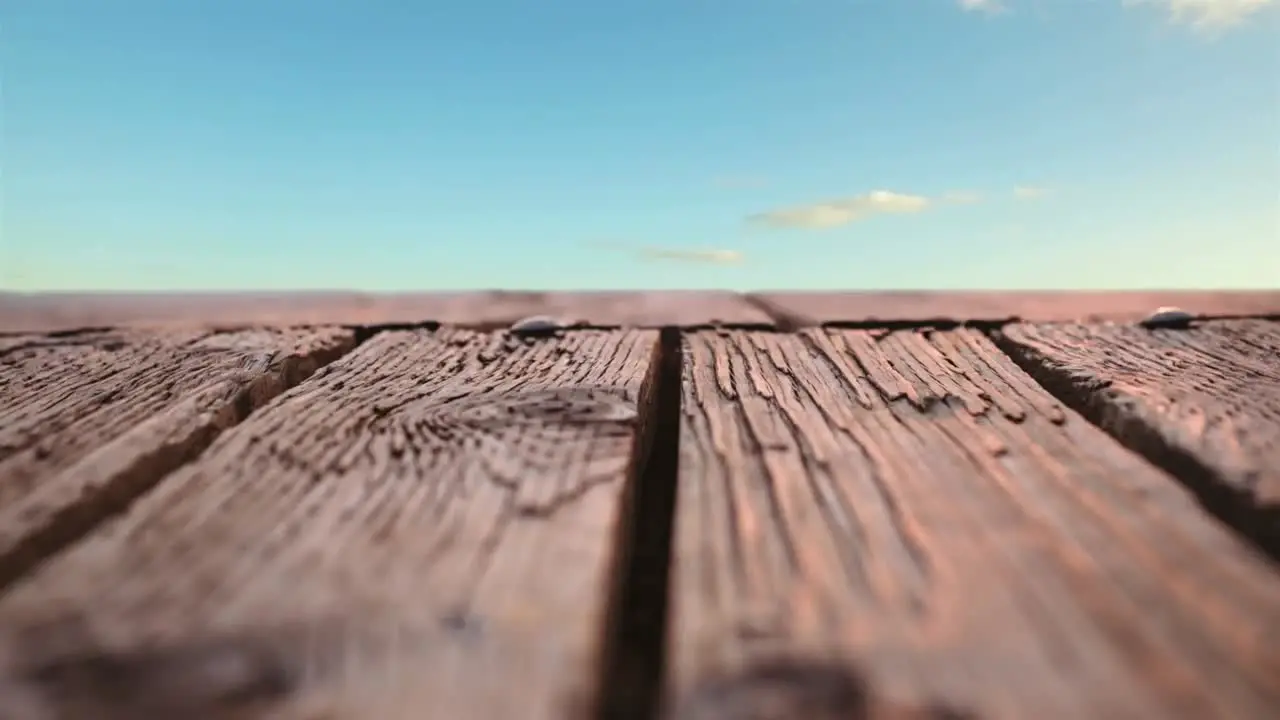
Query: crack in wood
x=92, y=421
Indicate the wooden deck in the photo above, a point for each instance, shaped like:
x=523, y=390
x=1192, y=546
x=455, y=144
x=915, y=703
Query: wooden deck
x=690, y=506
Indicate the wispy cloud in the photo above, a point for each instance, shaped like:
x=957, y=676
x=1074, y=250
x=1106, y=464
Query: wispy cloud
x=982, y=6
x=1029, y=193
x=709, y=256
x=1207, y=14
x=1200, y=14
x=843, y=211
x=834, y=213
x=696, y=255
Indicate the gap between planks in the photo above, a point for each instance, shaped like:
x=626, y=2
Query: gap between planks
x=94, y=419
x=639, y=696
x=1201, y=403
x=637, y=634
x=175, y=609
x=636, y=627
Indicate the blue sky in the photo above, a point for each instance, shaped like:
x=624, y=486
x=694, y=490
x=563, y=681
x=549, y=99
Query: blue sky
x=741, y=144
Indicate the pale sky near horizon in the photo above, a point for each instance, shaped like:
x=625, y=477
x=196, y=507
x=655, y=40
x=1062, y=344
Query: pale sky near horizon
x=594, y=144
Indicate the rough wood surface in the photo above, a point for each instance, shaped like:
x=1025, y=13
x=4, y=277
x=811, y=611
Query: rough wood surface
x=485, y=310
x=904, y=524
x=425, y=529
x=813, y=308
x=88, y=422
x=1203, y=402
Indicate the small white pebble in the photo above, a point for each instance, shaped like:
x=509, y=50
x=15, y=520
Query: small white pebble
x=1168, y=317
x=536, y=325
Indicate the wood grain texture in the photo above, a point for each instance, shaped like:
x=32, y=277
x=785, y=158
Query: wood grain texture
x=423, y=530
x=815, y=308
x=89, y=422
x=904, y=524
x=483, y=310
x=1202, y=402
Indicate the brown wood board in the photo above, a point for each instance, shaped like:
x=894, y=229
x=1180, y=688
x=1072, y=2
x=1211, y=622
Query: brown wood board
x=1203, y=402
x=875, y=524
x=815, y=308
x=484, y=310
x=425, y=529
x=88, y=422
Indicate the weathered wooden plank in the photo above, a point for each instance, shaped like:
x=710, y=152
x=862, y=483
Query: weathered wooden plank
x=423, y=530
x=89, y=422
x=814, y=308
x=58, y=312
x=1203, y=402
x=484, y=310
x=899, y=523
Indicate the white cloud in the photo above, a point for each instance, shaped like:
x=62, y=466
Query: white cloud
x=1200, y=14
x=983, y=6
x=1029, y=193
x=1207, y=14
x=835, y=213
x=711, y=256
x=842, y=212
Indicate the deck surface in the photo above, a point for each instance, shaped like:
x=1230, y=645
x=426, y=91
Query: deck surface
x=690, y=506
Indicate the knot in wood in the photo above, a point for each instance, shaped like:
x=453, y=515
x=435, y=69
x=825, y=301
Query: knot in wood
x=550, y=406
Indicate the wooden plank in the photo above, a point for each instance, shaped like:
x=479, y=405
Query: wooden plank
x=423, y=530
x=815, y=308
x=59, y=312
x=482, y=310
x=878, y=524
x=1203, y=403
x=91, y=421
